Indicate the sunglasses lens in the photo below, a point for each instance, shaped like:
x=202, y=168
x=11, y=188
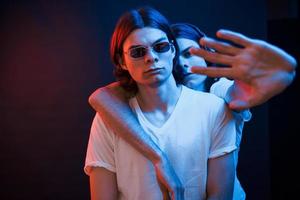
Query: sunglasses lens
x=138, y=52
x=162, y=47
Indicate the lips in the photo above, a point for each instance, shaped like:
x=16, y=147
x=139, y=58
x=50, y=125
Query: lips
x=154, y=70
x=187, y=74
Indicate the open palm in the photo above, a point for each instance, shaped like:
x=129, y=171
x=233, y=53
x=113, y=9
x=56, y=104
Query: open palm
x=260, y=70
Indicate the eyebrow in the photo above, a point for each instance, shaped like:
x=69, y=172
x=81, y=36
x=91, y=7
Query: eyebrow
x=186, y=49
x=156, y=41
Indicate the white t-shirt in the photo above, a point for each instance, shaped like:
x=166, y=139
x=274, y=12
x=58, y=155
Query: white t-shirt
x=200, y=127
x=220, y=89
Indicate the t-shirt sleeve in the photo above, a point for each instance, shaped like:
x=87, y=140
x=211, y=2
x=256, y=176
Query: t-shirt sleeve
x=240, y=118
x=223, y=138
x=100, y=150
x=220, y=89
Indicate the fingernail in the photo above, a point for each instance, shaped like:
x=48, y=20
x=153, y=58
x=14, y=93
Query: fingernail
x=207, y=39
x=225, y=31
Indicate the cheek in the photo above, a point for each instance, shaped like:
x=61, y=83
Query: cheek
x=131, y=67
x=196, y=61
x=167, y=58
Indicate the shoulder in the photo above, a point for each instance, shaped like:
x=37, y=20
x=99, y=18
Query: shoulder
x=221, y=87
x=203, y=97
x=100, y=130
x=203, y=102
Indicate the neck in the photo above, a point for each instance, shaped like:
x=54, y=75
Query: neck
x=158, y=97
x=198, y=87
x=158, y=103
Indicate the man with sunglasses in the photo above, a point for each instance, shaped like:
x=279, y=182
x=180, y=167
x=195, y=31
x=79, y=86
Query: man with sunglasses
x=194, y=129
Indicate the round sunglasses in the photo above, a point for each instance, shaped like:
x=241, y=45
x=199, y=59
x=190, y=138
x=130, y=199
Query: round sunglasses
x=140, y=51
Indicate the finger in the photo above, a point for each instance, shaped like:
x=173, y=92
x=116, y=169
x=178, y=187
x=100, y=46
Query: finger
x=214, y=72
x=164, y=191
x=221, y=47
x=239, y=105
x=213, y=57
x=234, y=37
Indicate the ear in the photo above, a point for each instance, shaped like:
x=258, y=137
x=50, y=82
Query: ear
x=172, y=47
x=121, y=62
x=173, y=50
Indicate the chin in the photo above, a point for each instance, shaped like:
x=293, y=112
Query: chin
x=194, y=81
x=196, y=84
x=155, y=81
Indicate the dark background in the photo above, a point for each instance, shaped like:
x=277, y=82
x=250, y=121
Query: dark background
x=54, y=54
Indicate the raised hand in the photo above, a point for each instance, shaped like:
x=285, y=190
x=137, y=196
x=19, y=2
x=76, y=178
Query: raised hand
x=260, y=70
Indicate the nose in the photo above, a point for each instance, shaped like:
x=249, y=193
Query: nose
x=183, y=65
x=151, y=56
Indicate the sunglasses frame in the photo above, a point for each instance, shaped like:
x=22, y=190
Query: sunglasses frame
x=146, y=49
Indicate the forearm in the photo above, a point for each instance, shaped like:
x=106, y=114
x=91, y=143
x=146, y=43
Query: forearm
x=112, y=104
x=103, y=184
x=220, y=178
x=115, y=112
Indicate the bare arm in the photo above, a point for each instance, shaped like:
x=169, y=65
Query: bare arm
x=220, y=178
x=103, y=184
x=260, y=70
x=112, y=104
